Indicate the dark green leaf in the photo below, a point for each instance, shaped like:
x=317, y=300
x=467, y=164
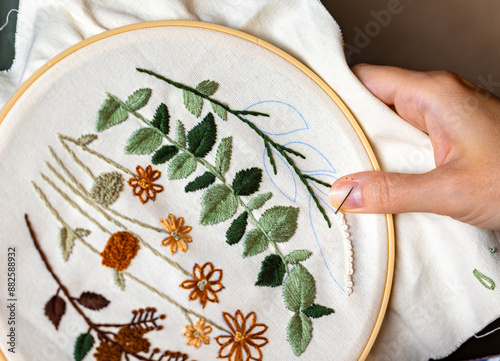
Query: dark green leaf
x=201, y=138
x=259, y=201
x=237, y=229
x=111, y=113
x=193, y=102
x=139, y=99
x=161, y=119
x=83, y=345
x=143, y=141
x=203, y=181
x=223, y=156
x=299, y=289
x=207, y=87
x=255, y=242
x=272, y=271
x=218, y=204
x=299, y=333
x=164, y=154
x=317, y=311
x=247, y=181
x=220, y=111
x=280, y=223
x=297, y=256
x=181, y=166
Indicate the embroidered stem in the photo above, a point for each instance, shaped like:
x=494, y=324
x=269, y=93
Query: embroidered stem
x=75, y=157
x=267, y=140
x=66, y=170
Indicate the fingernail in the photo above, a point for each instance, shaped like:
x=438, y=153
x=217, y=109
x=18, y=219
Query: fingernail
x=339, y=193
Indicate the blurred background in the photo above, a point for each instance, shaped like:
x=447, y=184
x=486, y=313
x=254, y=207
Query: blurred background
x=8, y=20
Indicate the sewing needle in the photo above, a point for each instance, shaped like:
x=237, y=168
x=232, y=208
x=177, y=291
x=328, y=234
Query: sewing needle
x=341, y=204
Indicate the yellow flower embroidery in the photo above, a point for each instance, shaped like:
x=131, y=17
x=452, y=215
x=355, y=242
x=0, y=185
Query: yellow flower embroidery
x=197, y=334
x=178, y=234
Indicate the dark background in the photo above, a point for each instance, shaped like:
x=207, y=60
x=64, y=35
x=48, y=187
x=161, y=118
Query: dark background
x=8, y=33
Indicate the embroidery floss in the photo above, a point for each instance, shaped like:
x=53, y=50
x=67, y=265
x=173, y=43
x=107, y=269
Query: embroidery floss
x=349, y=253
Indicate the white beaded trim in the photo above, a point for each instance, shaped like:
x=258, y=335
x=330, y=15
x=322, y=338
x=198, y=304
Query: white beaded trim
x=349, y=252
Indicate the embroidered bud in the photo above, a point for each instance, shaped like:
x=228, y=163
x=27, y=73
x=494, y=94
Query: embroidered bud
x=121, y=248
x=107, y=188
x=132, y=340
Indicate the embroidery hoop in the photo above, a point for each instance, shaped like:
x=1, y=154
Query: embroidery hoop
x=333, y=96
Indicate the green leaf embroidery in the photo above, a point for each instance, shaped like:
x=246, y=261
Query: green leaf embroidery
x=259, y=201
x=203, y=181
x=161, y=119
x=484, y=280
x=86, y=139
x=299, y=289
x=143, y=141
x=207, y=87
x=220, y=111
x=119, y=279
x=223, y=156
x=180, y=134
x=272, y=271
x=80, y=232
x=164, y=154
x=297, y=256
x=247, y=181
x=111, y=113
x=218, y=204
x=201, y=138
x=255, y=242
x=83, y=344
x=280, y=223
x=106, y=188
x=66, y=242
x=299, y=333
x=317, y=311
x=181, y=166
x=193, y=102
x=237, y=229
x=139, y=99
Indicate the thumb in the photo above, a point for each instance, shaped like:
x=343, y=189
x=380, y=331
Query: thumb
x=381, y=192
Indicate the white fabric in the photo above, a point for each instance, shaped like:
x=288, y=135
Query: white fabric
x=436, y=301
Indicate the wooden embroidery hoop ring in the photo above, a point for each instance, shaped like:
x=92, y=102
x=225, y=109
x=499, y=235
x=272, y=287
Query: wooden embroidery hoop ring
x=291, y=60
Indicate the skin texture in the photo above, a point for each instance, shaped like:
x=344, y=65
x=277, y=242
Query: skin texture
x=463, y=124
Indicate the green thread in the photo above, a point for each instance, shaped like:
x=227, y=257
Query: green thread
x=219, y=110
x=299, y=333
x=259, y=201
x=280, y=223
x=317, y=311
x=193, y=103
x=493, y=249
x=111, y=113
x=164, y=154
x=255, y=242
x=67, y=240
x=272, y=271
x=218, y=204
x=247, y=181
x=237, y=229
x=143, y=141
x=83, y=345
x=297, y=256
x=317, y=180
x=181, y=166
x=201, y=182
x=139, y=98
x=223, y=155
x=180, y=133
x=207, y=87
x=299, y=290
x=107, y=188
x=271, y=157
x=161, y=119
x=119, y=279
x=484, y=280
x=86, y=139
x=202, y=137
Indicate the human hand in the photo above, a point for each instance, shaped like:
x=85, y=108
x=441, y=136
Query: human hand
x=463, y=124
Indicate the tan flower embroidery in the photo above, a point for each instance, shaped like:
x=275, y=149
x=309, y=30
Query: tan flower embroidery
x=205, y=285
x=197, y=334
x=178, y=234
x=246, y=339
x=143, y=186
x=121, y=248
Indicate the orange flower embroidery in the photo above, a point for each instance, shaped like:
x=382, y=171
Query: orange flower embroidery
x=246, y=339
x=204, y=287
x=143, y=186
x=178, y=234
x=121, y=248
x=197, y=334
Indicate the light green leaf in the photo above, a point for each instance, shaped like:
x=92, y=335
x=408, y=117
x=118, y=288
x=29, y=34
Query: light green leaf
x=119, y=279
x=299, y=333
x=255, y=242
x=143, y=141
x=223, y=156
x=83, y=345
x=280, y=223
x=299, y=289
x=80, y=232
x=86, y=139
x=181, y=166
x=207, y=87
x=66, y=242
x=139, y=98
x=193, y=102
x=259, y=201
x=220, y=111
x=180, y=134
x=111, y=113
x=297, y=256
x=217, y=205
x=484, y=280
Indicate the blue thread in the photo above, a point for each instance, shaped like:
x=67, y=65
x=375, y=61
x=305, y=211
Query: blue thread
x=320, y=249
x=317, y=151
x=321, y=190
x=280, y=102
x=272, y=180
